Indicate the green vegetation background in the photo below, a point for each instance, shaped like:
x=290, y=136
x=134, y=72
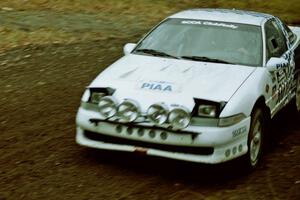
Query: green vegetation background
x=25, y=22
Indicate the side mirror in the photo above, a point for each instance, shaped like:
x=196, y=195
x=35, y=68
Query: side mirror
x=276, y=63
x=127, y=49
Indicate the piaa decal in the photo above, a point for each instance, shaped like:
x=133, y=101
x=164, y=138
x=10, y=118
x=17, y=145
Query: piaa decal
x=157, y=87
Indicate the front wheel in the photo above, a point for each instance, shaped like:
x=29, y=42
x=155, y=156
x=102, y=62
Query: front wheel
x=255, y=139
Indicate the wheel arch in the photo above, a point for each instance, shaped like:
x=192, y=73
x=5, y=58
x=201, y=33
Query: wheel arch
x=259, y=112
x=261, y=103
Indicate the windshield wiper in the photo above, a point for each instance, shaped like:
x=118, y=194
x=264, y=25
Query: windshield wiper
x=205, y=59
x=155, y=53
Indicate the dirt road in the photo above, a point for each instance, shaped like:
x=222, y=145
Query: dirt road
x=40, y=92
x=64, y=45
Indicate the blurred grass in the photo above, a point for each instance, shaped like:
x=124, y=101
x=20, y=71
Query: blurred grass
x=25, y=22
x=288, y=10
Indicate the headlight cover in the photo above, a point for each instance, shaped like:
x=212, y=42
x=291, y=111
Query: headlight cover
x=128, y=111
x=158, y=113
x=107, y=106
x=179, y=118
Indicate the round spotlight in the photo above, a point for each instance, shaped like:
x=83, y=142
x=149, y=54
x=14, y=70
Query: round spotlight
x=128, y=111
x=179, y=118
x=158, y=113
x=107, y=106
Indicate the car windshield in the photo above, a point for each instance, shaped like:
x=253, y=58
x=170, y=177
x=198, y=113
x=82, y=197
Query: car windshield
x=208, y=41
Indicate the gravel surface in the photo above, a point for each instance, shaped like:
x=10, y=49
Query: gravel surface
x=41, y=88
x=56, y=48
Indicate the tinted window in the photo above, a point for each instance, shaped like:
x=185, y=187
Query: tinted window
x=276, y=41
x=231, y=42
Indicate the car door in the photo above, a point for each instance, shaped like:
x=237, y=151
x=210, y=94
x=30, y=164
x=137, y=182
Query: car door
x=277, y=45
x=294, y=46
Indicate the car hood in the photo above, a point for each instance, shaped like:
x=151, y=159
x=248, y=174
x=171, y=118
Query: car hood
x=149, y=80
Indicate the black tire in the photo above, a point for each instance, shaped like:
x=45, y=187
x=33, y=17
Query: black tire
x=255, y=143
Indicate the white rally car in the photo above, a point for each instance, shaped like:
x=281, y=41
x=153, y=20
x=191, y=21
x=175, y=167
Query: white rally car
x=201, y=86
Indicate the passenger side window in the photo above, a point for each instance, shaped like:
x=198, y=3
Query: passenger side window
x=276, y=41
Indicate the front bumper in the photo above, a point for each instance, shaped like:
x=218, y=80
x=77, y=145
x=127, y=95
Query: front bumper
x=195, y=143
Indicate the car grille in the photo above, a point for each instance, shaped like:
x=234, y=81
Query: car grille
x=164, y=147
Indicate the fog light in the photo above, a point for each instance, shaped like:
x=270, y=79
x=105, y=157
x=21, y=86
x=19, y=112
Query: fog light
x=158, y=113
x=128, y=111
x=179, y=118
x=107, y=106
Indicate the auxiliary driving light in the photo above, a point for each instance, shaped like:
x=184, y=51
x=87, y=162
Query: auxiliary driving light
x=158, y=113
x=179, y=118
x=128, y=111
x=107, y=106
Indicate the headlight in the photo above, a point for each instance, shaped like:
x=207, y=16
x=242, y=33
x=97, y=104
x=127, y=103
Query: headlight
x=207, y=111
x=158, y=113
x=107, y=106
x=179, y=118
x=128, y=111
x=96, y=96
x=228, y=121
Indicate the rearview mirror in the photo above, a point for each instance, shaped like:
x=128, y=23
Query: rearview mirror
x=276, y=63
x=127, y=49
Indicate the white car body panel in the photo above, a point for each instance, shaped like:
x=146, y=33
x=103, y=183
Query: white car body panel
x=295, y=29
x=248, y=94
x=188, y=80
x=177, y=83
x=220, y=139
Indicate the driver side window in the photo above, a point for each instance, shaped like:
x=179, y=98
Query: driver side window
x=276, y=41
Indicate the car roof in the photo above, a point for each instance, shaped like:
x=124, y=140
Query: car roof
x=224, y=15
